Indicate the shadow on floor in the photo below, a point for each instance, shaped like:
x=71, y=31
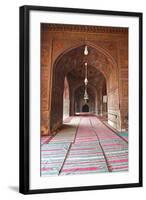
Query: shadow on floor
x=14, y=188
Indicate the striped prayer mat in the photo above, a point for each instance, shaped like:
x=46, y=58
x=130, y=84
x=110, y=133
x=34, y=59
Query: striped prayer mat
x=54, y=152
x=45, y=139
x=84, y=145
x=52, y=158
x=84, y=158
x=85, y=155
x=124, y=135
x=114, y=147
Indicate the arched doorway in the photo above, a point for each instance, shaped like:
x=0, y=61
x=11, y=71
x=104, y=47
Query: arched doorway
x=85, y=108
x=63, y=51
x=79, y=98
x=71, y=64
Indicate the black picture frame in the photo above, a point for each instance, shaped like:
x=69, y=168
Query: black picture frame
x=25, y=104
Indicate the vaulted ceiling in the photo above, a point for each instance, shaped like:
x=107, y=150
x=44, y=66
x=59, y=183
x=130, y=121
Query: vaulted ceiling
x=72, y=65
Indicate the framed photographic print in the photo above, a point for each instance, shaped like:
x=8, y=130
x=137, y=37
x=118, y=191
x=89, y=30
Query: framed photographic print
x=80, y=99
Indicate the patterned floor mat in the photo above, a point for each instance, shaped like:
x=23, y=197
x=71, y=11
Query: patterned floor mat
x=84, y=145
x=85, y=158
x=114, y=147
x=52, y=158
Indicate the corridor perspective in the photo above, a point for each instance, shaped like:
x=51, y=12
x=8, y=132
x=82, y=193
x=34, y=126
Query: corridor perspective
x=84, y=99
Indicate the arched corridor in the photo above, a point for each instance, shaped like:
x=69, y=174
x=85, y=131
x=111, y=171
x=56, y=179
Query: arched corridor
x=84, y=99
x=74, y=74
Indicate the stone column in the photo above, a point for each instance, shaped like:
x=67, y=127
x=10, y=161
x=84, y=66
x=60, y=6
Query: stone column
x=46, y=55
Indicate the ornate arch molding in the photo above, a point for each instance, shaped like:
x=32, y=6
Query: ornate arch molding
x=104, y=52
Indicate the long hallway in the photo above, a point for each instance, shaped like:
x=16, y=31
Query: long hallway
x=84, y=145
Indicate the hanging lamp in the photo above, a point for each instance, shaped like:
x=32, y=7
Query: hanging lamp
x=86, y=50
x=86, y=97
